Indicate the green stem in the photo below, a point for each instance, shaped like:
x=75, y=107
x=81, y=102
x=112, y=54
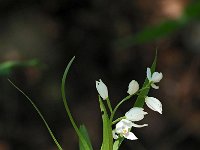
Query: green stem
x=109, y=105
x=115, y=109
x=118, y=120
x=144, y=88
x=127, y=98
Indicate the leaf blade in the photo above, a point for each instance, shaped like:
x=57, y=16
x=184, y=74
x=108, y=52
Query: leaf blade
x=107, y=129
x=81, y=137
x=85, y=134
x=141, y=97
x=117, y=143
x=40, y=114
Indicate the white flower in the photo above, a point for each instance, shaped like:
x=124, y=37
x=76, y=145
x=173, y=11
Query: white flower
x=154, y=78
x=123, y=129
x=136, y=114
x=154, y=104
x=133, y=87
x=102, y=89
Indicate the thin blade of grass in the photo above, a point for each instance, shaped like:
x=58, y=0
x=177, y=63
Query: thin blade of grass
x=84, y=143
x=8, y=66
x=40, y=114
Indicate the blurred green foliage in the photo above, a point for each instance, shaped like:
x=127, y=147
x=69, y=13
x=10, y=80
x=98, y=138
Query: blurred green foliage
x=7, y=67
x=191, y=12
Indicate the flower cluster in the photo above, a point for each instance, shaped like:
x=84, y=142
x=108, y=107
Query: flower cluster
x=127, y=122
x=120, y=128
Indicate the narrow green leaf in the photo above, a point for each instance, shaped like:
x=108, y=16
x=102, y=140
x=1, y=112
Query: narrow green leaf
x=83, y=141
x=140, y=99
x=85, y=134
x=163, y=29
x=7, y=66
x=117, y=143
x=150, y=33
x=40, y=114
x=192, y=10
x=107, y=128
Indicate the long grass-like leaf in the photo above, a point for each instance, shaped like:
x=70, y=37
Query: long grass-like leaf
x=8, y=66
x=163, y=29
x=81, y=137
x=84, y=132
x=40, y=114
x=107, y=130
x=141, y=98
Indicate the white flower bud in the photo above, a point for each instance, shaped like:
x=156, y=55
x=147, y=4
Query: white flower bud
x=102, y=89
x=135, y=114
x=133, y=87
x=154, y=104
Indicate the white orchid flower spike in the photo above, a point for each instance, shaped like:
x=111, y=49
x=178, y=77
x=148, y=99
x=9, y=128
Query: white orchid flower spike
x=123, y=129
x=133, y=87
x=154, y=78
x=154, y=104
x=102, y=89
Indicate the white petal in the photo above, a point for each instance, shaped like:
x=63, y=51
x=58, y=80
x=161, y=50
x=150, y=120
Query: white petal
x=102, y=89
x=126, y=123
x=156, y=77
x=154, y=104
x=135, y=114
x=149, y=74
x=133, y=87
x=115, y=136
x=130, y=136
x=123, y=125
x=154, y=86
x=139, y=126
x=119, y=127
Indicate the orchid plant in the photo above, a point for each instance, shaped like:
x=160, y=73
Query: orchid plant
x=115, y=131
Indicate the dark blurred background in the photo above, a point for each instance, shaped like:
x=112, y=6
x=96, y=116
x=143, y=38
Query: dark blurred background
x=112, y=40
